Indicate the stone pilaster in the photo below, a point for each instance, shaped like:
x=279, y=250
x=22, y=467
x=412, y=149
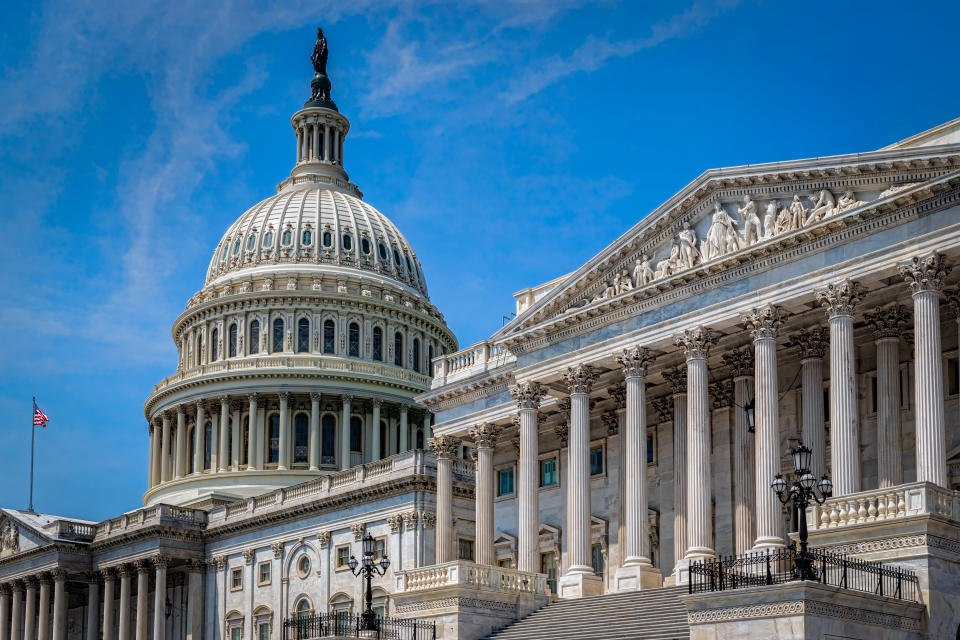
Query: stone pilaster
x=744, y=492
x=579, y=579
x=925, y=275
x=637, y=571
x=445, y=449
x=888, y=324
x=485, y=436
x=812, y=343
x=764, y=324
x=528, y=396
x=840, y=299
x=696, y=344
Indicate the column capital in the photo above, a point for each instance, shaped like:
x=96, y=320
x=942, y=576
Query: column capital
x=528, y=394
x=840, y=298
x=92, y=578
x=107, y=574
x=764, y=323
x=220, y=562
x=284, y=396
x=4, y=591
x=563, y=432
x=160, y=561
x=44, y=578
x=444, y=447
x=486, y=434
x=635, y=361
x=663, y=407
x=201, y=405
x=696, y=342
x=429, y=519
x=315, y=396
x=16, y=586
x=395, y=522
x=277, y=548
x=30, y=582
x=323, y=538
x=740, y=360
x=59, y=575
x=925, y=273
x=722, y=393
x=224, y=400
x=888, y=322
x=143, y=565
x=248, y=555
x=580, y=378
x=358, y=529
x=618, y=392
x=124, y=570
x=611, y=422
x=812, y=342
x=195, y=566
x=253, y=397
x=953, y=297
x=404, y=408
x=181, y=410
x=677, y=378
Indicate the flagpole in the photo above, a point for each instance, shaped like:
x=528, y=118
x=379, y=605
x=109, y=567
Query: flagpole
x=33, y=433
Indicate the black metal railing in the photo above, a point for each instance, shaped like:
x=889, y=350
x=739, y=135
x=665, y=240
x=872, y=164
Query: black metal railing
x=786, y=565
x=345, y=624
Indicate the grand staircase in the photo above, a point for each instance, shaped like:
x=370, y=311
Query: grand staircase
x=656, y=614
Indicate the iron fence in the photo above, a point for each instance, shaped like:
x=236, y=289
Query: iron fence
x=345, y=624
x=786, y=565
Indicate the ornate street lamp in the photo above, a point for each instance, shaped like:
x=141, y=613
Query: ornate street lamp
x=368, y=568
x=748, y=408
x=804, y=490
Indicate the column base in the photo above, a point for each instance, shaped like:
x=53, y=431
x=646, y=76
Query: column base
x=681, y=573
x=580, y=585
x=637, y=577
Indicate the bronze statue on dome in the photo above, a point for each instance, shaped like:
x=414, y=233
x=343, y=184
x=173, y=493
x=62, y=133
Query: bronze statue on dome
x=320, y=85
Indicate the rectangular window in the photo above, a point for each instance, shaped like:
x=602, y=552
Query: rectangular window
x=505, y=482
x=505, y=563
x=953, y=376
x=465, y=549
x=379, y=548
x=236, y=633
x=826, y=404
x=236, y=579
x=873, y=394
x=596, y=559
x=263, y=631
x=263, y=573
x=596, y=461
x=548, y=472
x=343, y=556
x=649, y=448
x=548, y=565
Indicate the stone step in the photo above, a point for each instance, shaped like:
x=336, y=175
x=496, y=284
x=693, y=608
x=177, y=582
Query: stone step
x=656, y=614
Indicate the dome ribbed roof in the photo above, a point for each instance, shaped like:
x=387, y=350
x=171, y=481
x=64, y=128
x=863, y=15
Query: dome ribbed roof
x=312, y=226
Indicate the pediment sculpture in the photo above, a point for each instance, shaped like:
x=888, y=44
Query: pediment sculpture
x=10, y=539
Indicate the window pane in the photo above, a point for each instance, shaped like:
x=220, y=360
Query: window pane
x=277, y=335
x=505, y=482
x=347, y=242
x=303, y=335
x=398, y=349
x=416, y=355
x=273, y=450
x=328, y=440
x=377, y=344
x=649, y=449
x=233, y=340
x=301, y=438
x=214, y=340
x=356, y=433
x=548, y=472
x=327, y=238
x=596, y=461
x=328, y=336
x=354, y=346
x=255, y=336
x=596, y=557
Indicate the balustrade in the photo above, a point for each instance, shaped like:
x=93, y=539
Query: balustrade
x=465, y=573
x=892, y=503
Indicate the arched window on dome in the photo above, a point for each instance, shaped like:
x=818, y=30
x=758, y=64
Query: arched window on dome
x=378, y=344
x=255, y=336
x=244, y=441
x=382, y=250
x=329, y=336
x=198, y=351
x=214, y=344
x=347, y=242
x=328, y=439
x=384, y=440
x=251, y=242
x=307, y=238
x=268, y=240
x=356, y=435
x=396, y=258
x=273, y=439
x=303, y=335
x=224, y=252
x=232, y=340
x=365, y=245
x=398, y=349
x=416, y=355
x=236, y=246
x=327, y=239
x=354, y=340
x=287, y=237
x=301, y=439
x=409, y=266
x=278, y=335
x=207, y=444
x=192, y=438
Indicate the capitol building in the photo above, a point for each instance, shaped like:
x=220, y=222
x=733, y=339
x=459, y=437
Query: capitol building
x=603, y=466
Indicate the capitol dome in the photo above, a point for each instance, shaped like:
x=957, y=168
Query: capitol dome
x=303, y=351
x=309, y=225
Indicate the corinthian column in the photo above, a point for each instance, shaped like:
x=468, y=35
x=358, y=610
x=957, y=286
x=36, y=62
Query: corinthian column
x=43, y=624
x=143, y=600
x=839, y=300
x=124, y=607
x=166, y=451
x=199, y=443
x=283, y=454
x=223, y=452
x=528, y=396
x=160, y=598
x=93, y=605
x=108, y=606
x=16, y=611
x=59, y=605
x=445, y=449
x=579, y=579
x=485, y=436
x=925, y=275
x=637, y=571
x=888, y=325
x=696, y=344
x=764, y=324
x=30, y=610
x=314, y=456
x=678, y=380
x=4, y=611
x=813, y=343
x=744, y=493
x=345, y=433
x=181, y=455
x=254, y=434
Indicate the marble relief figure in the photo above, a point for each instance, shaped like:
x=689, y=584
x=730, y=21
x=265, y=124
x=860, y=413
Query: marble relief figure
x=770, y=220
x=798, y=214
x=722, y=237
x=642, y=272
x=823, y=206
x=751, y=222
x=688, y=247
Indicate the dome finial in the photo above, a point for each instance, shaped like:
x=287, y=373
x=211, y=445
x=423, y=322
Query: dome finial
x=320, y=85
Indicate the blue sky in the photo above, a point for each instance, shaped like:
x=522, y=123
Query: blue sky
x=509, y=141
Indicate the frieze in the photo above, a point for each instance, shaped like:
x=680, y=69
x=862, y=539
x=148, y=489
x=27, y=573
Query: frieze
x=423, y=605
x=805, y=607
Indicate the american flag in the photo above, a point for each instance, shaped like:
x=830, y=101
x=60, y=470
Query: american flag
x=40, y=419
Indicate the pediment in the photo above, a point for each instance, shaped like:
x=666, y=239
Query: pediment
x=728, y=217
x=18, y=536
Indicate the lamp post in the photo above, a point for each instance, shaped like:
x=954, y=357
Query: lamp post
x=368, y=568
x=803, y=490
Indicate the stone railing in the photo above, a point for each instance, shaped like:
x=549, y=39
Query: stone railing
x=465, y=363
x=159, y=515
x=892, y=503
x=462, y=573
x=72, y=530
x=301, y=362
x=392, y=469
